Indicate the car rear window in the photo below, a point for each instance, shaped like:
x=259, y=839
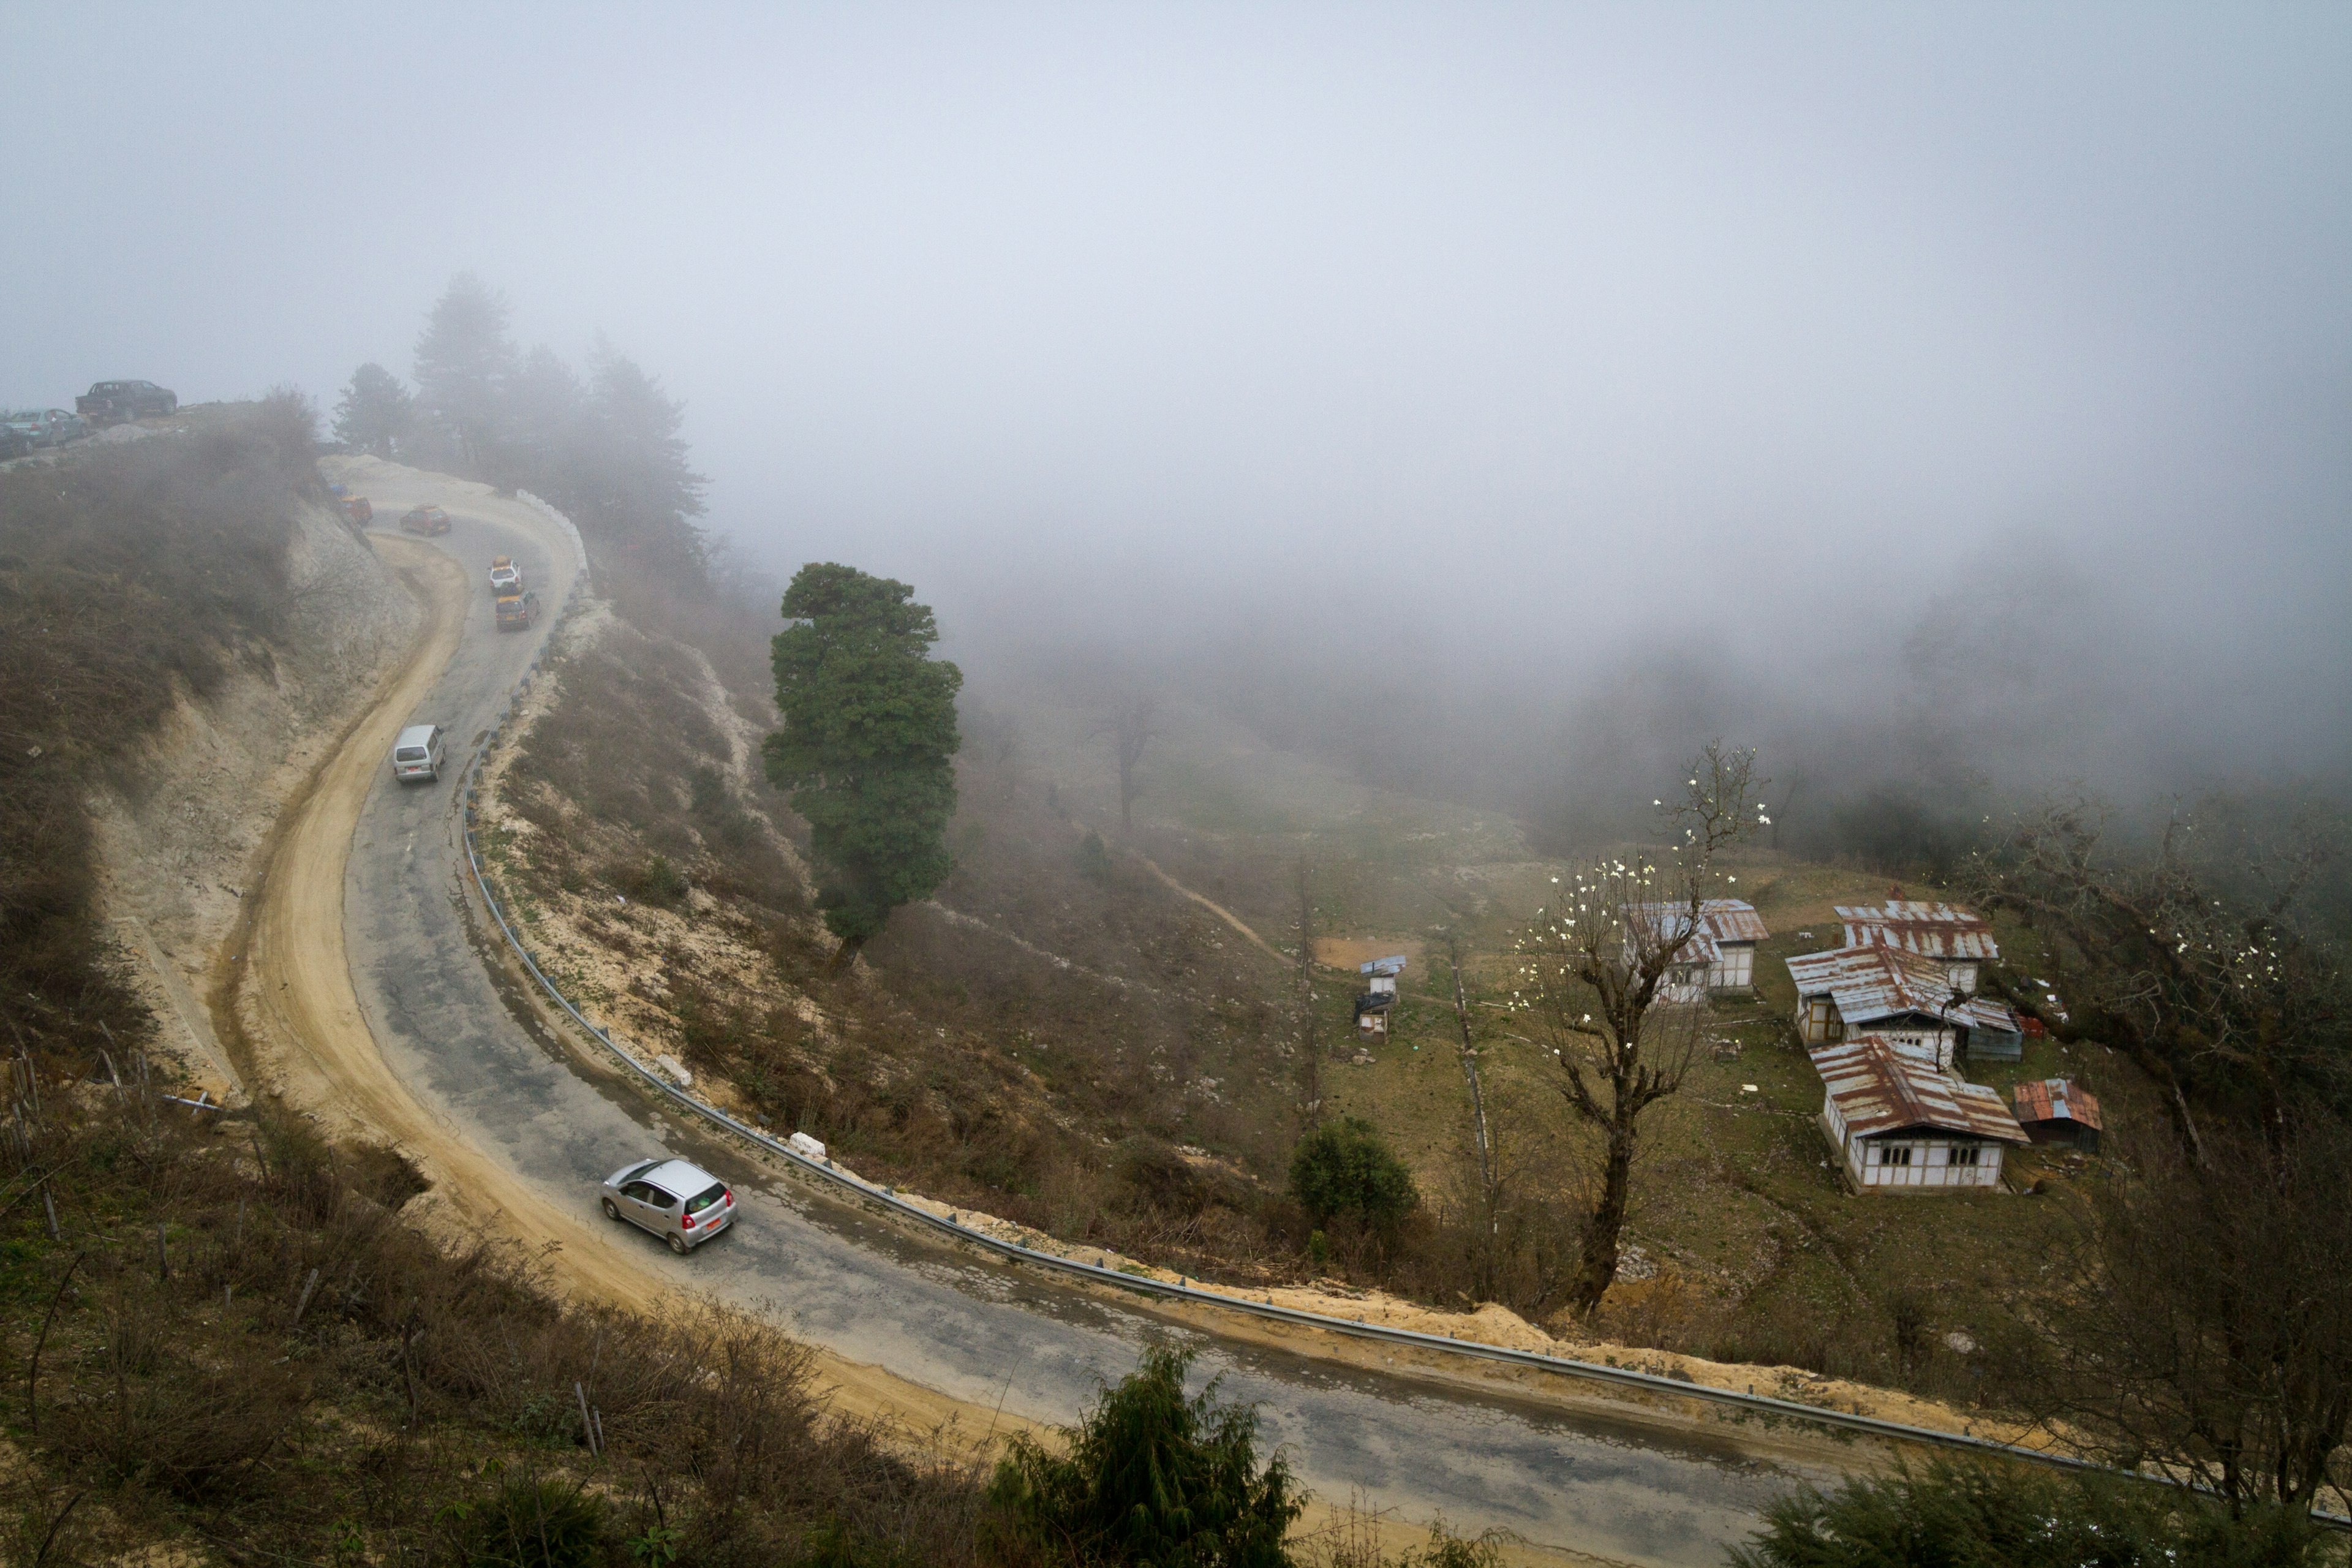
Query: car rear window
x=410, y=754
x=705, y=1198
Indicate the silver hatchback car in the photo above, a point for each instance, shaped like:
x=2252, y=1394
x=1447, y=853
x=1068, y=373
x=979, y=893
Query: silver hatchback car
x=684, y=1205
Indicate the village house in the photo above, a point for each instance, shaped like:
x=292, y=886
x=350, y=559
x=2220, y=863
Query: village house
x=2054, y=1111
x=1899, y=1125
x=1956, y=937
x=1720, y=954
x=1904, y=998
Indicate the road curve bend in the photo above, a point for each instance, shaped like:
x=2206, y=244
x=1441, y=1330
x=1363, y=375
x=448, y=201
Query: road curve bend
x=370, y=999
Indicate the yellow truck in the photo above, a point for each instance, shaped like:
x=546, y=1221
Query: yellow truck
x=518, y=612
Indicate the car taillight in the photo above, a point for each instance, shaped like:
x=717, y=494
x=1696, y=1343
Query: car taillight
x=687, y=1222
x=727, y=1199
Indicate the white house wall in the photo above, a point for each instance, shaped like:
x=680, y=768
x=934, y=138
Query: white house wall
x=1930, y=1045
x=1870, y=1161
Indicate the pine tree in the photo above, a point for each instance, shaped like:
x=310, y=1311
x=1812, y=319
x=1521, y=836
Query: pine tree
x=548, y=425
x=374, y=413
x=466, y=367
x=637, y=488
x=868, y=745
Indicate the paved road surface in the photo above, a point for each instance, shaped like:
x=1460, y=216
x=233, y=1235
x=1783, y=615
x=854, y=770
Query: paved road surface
x=975, y=1331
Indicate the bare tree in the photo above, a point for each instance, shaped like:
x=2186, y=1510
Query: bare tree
x=1591, y=970
x=1130, y=728
x=2199, y=1324
x=2193, y=964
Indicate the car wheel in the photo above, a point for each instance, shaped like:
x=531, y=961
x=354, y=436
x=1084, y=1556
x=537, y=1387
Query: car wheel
x=678, y=1244
x=612, y=1209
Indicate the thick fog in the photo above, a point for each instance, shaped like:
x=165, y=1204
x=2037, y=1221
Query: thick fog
x=1968, y=383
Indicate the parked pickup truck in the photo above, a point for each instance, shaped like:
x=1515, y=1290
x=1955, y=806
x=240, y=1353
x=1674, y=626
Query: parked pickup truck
x=517, y=612
x=113, y=402
x=505, y=577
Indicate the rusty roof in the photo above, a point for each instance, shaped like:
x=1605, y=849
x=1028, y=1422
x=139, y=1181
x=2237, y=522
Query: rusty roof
x=1879, y=1091
x=1720, y=920
x=1873, y=983
x=1932, y=931
x=2056, y=1100
x=1870, y=983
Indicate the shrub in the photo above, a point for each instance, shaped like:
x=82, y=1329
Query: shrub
x=1093, y=857
x=1987, y=1517
x=1152, y=1477
x=1160, y=1178
x=656, y=881
x=1343, y=1168
x=531, y=1522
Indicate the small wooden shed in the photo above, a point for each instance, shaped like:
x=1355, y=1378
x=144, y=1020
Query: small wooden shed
x=2056, y=1110
x=1377, y=998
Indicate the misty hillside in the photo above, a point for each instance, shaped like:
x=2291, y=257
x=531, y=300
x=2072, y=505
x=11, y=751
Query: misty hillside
x=775, y=780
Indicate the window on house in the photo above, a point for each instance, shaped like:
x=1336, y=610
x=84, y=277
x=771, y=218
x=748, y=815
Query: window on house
x=1900, y=1154
x=1964, y=1154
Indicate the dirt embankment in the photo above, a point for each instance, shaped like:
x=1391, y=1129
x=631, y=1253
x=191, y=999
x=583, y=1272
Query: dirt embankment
x=180, y=839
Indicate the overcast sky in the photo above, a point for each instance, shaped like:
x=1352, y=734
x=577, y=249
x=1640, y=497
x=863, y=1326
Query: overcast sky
x=1584, y=324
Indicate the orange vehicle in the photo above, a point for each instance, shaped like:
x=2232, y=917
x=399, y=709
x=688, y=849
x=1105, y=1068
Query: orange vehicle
x=517, y=612
x=424, y=520
x=356, y=511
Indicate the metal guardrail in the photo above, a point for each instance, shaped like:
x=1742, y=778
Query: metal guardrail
x=824, y=1170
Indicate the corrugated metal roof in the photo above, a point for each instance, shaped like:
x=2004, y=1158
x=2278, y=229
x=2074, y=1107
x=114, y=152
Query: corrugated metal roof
x=1984, y=1012
x=1873, y=983
x=1879, y=1091
x=2056, y=1100
x=1932, y=931
x=1720, y=920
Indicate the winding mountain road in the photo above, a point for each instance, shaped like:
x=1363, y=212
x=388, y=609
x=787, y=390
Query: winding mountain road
x=376, y=1001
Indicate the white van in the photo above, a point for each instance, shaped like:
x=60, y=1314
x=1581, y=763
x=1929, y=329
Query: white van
x=419, y=753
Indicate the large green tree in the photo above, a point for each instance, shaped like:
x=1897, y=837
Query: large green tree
x=1150, y=1476
x=374, y=413
x=868, y=745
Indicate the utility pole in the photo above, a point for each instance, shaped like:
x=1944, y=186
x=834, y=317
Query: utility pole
x=1311, y=1052
x=1477, y=1112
